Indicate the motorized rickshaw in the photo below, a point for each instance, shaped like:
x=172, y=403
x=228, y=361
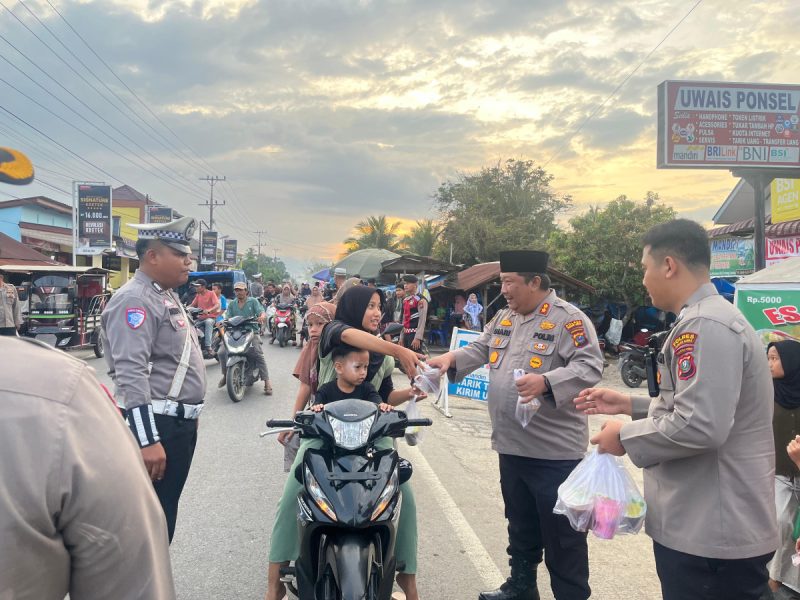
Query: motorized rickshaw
x=62, y=301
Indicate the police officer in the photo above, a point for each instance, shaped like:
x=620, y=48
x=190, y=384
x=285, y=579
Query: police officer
x=256, y=287
x=10, y=317
x=706, y=442
x=77, y=514
x=555, y=345
x=415, y=314
x=156, y=361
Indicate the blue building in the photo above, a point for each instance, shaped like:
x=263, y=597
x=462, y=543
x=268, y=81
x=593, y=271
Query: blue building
x=40, y=223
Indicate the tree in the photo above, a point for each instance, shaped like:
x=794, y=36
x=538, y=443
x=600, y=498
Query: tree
x=604, y=247
x=270, y=268
x=423, y=238
x=374, y=232
x=506, y=207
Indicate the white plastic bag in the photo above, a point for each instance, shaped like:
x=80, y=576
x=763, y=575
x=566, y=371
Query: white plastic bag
x=600, y=495
x=614, y=333
x=428, y=379
x=413, y=434
x=525, y=410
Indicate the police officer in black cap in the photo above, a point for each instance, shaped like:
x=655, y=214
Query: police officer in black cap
x=553, y=348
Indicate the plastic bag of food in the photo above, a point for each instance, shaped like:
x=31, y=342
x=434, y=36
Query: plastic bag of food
x=428, y=379
x=413, y=434
x=600, y=496
x=525, y=410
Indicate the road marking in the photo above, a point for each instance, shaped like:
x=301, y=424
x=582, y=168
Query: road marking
x=473, y=547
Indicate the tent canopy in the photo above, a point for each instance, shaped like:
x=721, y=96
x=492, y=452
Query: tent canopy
x=786, y=271
x=366, y=263
x=411, y=263
x=323, y=275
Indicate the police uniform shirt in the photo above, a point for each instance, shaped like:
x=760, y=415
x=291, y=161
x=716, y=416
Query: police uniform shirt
x=78, y=514
x=556, y=340
x=706, y=443
x=9, y=306
x=145, y=331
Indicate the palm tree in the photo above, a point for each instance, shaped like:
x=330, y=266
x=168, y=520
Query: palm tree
x=374, y=232
x=423, y=237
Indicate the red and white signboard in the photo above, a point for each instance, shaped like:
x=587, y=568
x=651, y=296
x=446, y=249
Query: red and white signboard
x=779, y=249
x=712, y=125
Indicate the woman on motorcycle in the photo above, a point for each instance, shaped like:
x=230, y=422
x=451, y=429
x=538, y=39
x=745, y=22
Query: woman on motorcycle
x=315, y=297
x=358, y=316
x=286, y=296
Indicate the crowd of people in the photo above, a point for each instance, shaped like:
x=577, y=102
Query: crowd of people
x=719, y=443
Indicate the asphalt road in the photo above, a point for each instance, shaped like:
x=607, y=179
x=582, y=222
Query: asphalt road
x=222, y=537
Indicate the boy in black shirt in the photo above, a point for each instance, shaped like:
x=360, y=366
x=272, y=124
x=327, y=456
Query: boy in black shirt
x=351, y=371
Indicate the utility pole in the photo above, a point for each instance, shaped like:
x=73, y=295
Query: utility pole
x=259, y=234
x=275, y=254
x=212, y=180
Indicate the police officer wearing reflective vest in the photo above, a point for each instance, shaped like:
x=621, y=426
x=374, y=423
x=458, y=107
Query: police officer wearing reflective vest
x=556, y=347
x=705, y=441
x=415, y=314
x=156, y=361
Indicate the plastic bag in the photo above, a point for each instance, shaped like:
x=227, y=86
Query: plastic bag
x=614, y=333
x=525, y=410
x=601, y=496
x=428, y=379
x=413, y=434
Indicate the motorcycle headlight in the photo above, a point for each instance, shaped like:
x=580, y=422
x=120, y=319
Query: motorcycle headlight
x=386, y=496
x=351, y=435
x=320, y=499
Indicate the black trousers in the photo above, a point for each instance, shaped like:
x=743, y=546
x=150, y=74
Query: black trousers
x=179, y=438
x=688, y=577
x=8, y=331
x=530, y=490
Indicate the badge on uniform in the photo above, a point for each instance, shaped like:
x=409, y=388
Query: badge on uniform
x=539, y=347
x=536, y=362
x=547, y=325
x=505, y=323
x=578, y=333
x=683, y=347
x=493, y=357
x=545, y=308
x=686, y=367
x=135, y=317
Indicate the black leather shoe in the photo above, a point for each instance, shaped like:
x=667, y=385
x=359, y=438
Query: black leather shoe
x=513, y=590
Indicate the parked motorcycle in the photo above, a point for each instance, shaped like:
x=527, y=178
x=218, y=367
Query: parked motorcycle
x=350, y=503
x=633, y=357
x=302, y=310
x=241, y=370
x=283, y=324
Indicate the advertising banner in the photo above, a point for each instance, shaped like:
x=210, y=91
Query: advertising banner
x=93, y=218
x=229, y=252
x=773, y=313
x=732, y=257
x=785, y=198
x=713, y=125
x=208, y=247
x=159, y=214
x=779, y=249
x=476, y=384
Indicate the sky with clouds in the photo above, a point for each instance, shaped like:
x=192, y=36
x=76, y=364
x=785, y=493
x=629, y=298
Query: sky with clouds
x=320, y=113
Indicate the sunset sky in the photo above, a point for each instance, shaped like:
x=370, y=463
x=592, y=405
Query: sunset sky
x=322, y=113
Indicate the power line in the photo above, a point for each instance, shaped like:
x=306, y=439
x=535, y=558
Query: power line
x=597, y=109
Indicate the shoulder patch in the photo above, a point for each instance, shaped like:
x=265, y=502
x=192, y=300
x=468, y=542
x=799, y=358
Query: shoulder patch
x=579, y=338
x=686, y=367
x=684, y=343
x=135, y=317
x=576, y=324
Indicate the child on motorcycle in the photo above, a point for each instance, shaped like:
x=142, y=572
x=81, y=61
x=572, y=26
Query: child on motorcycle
x=358, y=318
x=351, y=366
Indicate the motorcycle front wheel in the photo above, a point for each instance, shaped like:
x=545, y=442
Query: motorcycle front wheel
x=235, y=382
x=629, y=377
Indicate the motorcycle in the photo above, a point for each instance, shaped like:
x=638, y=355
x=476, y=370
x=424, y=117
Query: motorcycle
x=216, y=339
x=303, y=309
x=241, y=371
x=283, y=324
x=633, y=357
x=350, y=503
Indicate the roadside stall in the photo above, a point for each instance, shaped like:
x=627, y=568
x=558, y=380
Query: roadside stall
x=770, y=301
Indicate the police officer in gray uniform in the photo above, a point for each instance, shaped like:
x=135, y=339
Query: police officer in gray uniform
x=705, y=443
x=556, y=347
x=156, y=361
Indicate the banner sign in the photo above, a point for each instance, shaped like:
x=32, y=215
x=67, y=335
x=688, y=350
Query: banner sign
x=229, y=252
x=785, y=198
x=476, y=384
x=773, y=313
x=732, y=257
x=93, y=219
x=712, y=125
x=208, y=247
x=159, y=214
x=779, y=249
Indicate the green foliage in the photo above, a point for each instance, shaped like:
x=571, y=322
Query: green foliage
x=374, y=232
x=506, y=207
x=423, y=238
x=269, y=268
x=604, y=247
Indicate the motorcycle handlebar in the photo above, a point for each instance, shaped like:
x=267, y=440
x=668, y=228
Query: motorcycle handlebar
x=419, y=423
x=280, y=423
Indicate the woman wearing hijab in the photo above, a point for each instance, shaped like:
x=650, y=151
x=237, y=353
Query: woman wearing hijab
x=473, y=311
x=286, y=296
x=784, y=364
x=315, y=297
x=358, y=316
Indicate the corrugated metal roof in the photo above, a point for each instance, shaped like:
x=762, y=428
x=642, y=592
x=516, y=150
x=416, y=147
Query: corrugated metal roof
x=746, y=227
x=481, y=274
x=13, y=252
x=41, y=201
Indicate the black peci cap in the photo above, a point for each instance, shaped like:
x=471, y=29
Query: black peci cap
x=410, y=278
x=523, y=261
